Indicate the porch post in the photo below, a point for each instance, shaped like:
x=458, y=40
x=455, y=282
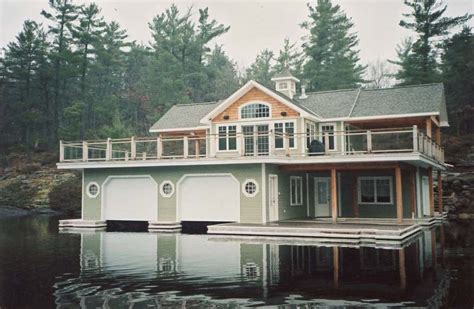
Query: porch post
x=440, y=193
x=428, y=127
x=355, y=197
x=335, y=266
x=398, y=192
x=430, y=185
x=402, y=268
x=197, y=144
x=334, y=195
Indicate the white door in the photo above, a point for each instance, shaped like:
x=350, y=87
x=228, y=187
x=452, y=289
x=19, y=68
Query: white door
x=209, y=198
x=256, y=140
x=273, y=196
x=130, y=199
x=322, y=207
x=425, y=187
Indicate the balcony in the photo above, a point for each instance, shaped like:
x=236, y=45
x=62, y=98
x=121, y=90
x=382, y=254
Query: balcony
x=253, y=145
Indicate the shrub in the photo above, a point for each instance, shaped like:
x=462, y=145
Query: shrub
x=66, y=196
x=17, y=194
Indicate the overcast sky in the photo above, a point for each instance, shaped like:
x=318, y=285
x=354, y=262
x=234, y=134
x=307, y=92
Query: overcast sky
x=255, y=25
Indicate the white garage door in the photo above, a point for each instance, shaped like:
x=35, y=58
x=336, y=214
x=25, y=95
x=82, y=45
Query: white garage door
x=130, y=199
x=209, y=198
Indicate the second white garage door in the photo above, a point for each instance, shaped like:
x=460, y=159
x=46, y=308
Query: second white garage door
x=209, y=198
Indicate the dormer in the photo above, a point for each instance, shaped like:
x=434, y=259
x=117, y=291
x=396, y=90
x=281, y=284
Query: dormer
x=285, y=83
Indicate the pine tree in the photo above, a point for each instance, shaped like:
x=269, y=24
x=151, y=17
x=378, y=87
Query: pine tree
x=289, y=58
x=222, y=75
x=262, y=69
x=457, y=74
x=427, y=21
x=331, y=49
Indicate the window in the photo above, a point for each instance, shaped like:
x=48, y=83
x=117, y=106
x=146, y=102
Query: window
x=328, y=128
x=375, y=190
x=282, y=85
x=93, y=189
x=251, y=270
x=310, y=133
x=256, y=110
x=284, y=127
x=227, y=138
x=250, y=188
x=167, y=188
x=296, y=190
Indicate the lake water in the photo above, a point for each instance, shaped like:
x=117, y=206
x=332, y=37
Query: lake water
x=43, y=268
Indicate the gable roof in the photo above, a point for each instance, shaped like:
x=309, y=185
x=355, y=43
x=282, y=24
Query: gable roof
x=331, y=104
x=183, y=116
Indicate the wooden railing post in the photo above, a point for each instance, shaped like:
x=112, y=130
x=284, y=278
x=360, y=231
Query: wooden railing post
x=185, y=147
x=85, y=151
x=108, y=150
x=241, y=144
x=159, y=147
x=271, y=142
x=61, y=151
x=286, y=142
x=197, y=147
x=127, y=155
x=143, y=156
x=369, y=141
x=326, y=142
x=133, y=148
x=415, y=138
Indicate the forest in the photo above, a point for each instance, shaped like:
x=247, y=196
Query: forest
x=82, y=77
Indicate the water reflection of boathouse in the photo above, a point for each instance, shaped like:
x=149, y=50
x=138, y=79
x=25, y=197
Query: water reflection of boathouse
x=175, y=268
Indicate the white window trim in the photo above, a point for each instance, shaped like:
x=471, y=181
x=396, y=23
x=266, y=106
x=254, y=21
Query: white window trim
x=374, y=178
x=87, y=189
x=256, y=188
x=295, y=134
x=255, y=102
x=227, y=138
x=321, y=135
x=163, y=194
x=299, y=201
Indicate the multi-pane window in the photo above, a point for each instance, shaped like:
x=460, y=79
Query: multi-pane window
x=284, y=127
x=256, y=110
x=328, y=128
x=282, y=85
x=296, y=190
x=375, y=190
x=227, y=137
x=310, y=133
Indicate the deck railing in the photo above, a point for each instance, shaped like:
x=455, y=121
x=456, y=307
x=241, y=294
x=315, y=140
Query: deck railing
x=268, y=143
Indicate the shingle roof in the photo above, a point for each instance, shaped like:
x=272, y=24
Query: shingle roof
x=285, y=73
x=184, y=116
x=330, y=104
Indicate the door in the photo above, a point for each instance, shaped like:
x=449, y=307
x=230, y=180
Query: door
x=425, y=188
x=130, y=198
x=322, y=207
x=256, y=140
x=273, y=196
x=213, y=197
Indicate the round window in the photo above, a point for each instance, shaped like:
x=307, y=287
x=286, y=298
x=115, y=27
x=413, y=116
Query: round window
x=167, y=189
x=92, y=190
x=250, y=188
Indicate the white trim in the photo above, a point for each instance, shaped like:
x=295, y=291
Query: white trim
x=307, y=194
x=273, y=79
x=419, y=203
x=122, y=177
x=92, y=183
x=178, y=183
x=374, y=178
x=298, y=202
x=391, y=116
x=321, y=134
x=252, y=102
x=178, y=129
x=163, y=194
x=244, y=89
x=338, y=189
x=227, y=137
x=264, y=193
x=316, y=179
x=244, y=184
x=277, y=194
x=82, y=196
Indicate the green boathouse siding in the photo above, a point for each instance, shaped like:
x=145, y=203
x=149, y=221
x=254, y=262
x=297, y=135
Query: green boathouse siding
x=250, y=210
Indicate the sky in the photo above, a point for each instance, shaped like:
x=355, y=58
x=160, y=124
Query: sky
x=254, y=25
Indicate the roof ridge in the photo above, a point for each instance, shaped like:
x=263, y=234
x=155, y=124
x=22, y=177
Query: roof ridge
x=336, y=90
x=404, y=86
x=355, y=102
x=196, y=103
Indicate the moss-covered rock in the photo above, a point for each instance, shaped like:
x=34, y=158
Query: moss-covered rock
x=66, y=196
x=18, y=193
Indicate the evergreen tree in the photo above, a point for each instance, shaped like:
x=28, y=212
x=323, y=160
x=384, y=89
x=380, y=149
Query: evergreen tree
x=332, y=58
x=427, y=21
x=289, y=58
x=222, y=75
x=457, y=73
x=262, y=69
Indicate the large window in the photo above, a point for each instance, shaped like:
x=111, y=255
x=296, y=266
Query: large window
x=328, y=128
x=227, y=138
x=284, y=127
x=375, y=190
x=255, y=110
x=296, y=190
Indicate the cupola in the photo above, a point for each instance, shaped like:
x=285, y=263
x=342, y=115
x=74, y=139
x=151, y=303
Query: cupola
x=285, y=83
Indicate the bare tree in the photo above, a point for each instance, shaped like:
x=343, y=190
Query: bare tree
x=379, y=75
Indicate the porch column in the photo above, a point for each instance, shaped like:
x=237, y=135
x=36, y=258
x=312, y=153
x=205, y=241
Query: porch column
x=440, y=193
x=402, y=268
x=333, y=195
x=430, y=185
x=428, y=127
x=355, y=197
x=335, y=266
x=438, y=135
x=398, y=192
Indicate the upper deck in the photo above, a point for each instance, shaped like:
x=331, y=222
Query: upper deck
x=379, y=145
